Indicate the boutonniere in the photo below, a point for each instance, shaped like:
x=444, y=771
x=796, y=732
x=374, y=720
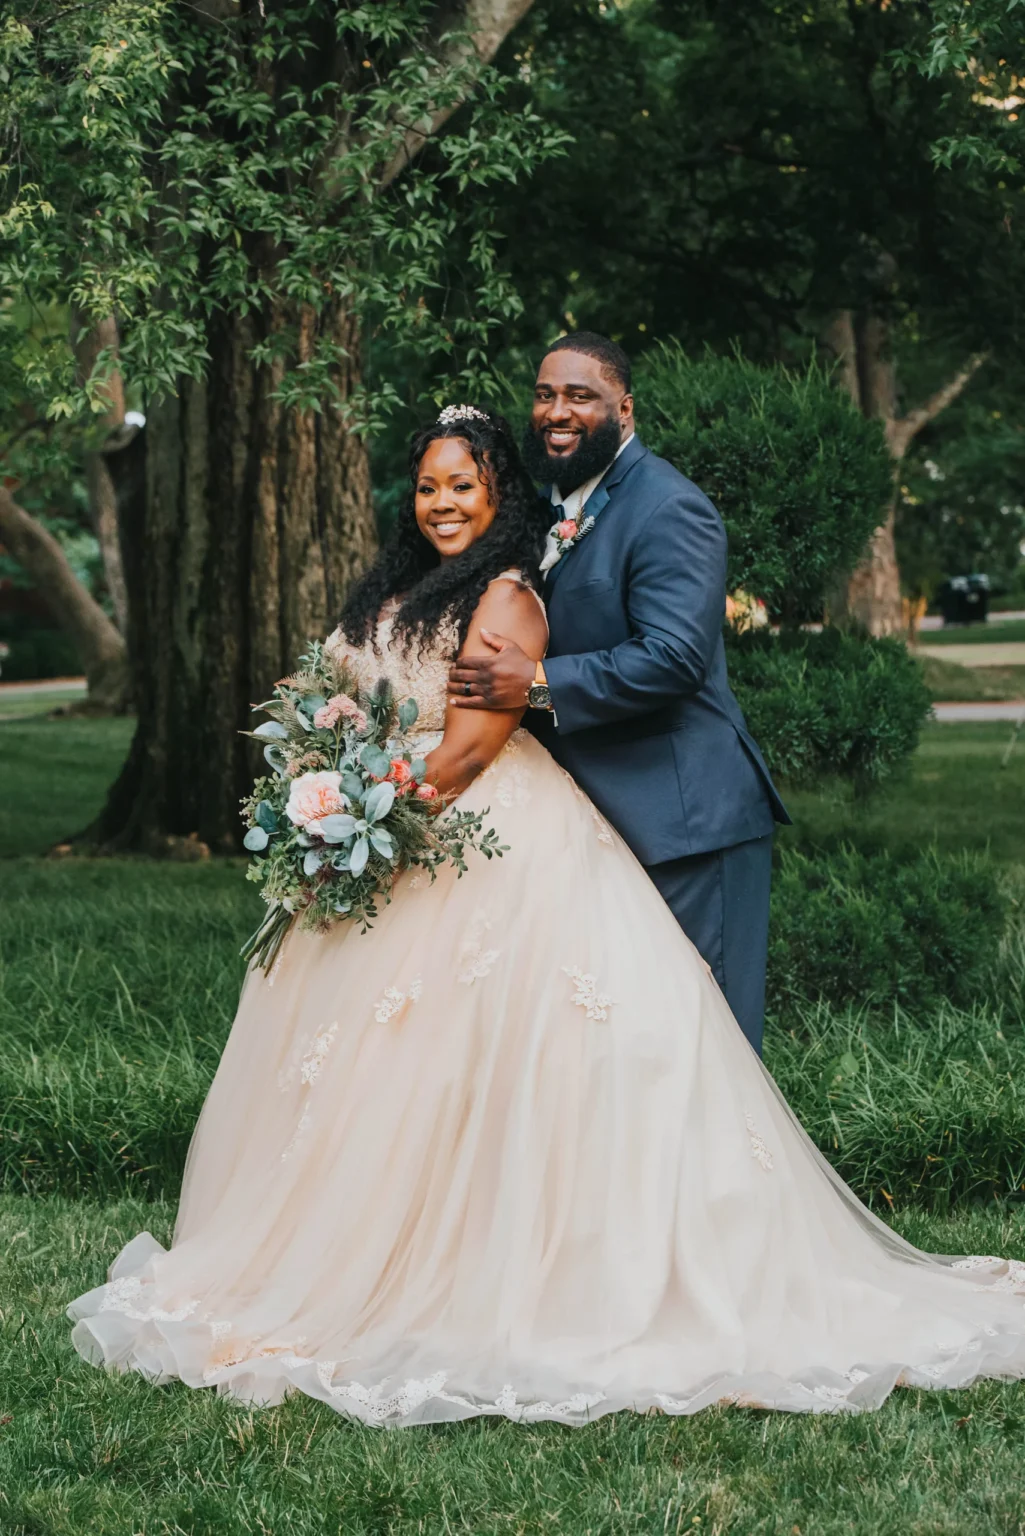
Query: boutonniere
x=561, y=538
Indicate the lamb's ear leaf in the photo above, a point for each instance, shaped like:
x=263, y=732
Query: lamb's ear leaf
x=360, y=855
x=375, y=761
x=379, y=801
x=408, y=713
x=255, y=840
x=271, y=730
x=312, y=861
x=335, y=828
x=383, y=843
x=276, y=758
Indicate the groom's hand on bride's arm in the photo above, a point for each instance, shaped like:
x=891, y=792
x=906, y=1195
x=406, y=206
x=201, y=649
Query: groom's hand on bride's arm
x=499, y=681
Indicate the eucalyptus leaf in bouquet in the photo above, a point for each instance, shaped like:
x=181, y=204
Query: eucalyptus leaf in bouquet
x=347, y=807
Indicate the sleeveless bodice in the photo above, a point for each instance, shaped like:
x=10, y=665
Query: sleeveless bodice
x=420, y=672
x=417, y=671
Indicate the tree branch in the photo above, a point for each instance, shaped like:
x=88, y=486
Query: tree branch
x=487, y=24
x=901, y=430
x=100, y=647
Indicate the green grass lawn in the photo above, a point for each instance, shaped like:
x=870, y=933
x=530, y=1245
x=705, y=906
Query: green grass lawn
x=118, y=980
x=955, y=793
x=950, y=683
x=997, y=632
x=27, y=706
x=61, y=769
x=83, y=1454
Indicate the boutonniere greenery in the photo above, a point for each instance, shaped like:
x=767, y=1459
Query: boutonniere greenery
x=562, y=537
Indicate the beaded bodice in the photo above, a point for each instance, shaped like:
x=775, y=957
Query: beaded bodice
x=418, y=672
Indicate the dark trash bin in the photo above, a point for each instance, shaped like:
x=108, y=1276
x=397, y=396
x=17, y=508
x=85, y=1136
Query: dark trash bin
x=965, y=599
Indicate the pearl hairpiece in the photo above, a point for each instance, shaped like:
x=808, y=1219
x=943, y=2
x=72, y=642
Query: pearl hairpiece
x=453, y=413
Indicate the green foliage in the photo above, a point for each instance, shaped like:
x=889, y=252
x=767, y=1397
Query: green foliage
x=827, y=703
x=878, y=931
x=36, y=651
x=961, y=507
x=172, y=170
x=109, y=1455
x=923, y=1111
x=798, y=474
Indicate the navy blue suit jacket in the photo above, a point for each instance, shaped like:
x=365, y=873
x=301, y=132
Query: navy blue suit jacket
x=644, y=717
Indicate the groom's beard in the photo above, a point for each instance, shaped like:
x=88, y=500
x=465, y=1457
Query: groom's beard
x=593, y=456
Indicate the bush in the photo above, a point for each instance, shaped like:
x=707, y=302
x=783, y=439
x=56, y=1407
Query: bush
x=37, y=653
x=850, y=926
x=910, y=1115
x=829, y=703
x=800, y=477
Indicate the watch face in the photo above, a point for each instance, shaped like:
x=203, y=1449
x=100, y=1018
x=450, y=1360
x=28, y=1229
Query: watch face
x=539, y=697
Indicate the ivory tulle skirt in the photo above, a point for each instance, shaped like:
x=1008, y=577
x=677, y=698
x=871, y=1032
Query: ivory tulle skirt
x=509, y=1153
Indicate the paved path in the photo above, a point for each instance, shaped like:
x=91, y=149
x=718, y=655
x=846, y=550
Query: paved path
x=1009, y=654
x=50, y=685
x=957, y=714
x=935, y=620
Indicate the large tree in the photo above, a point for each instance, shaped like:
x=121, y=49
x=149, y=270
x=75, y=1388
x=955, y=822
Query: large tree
x=800, y=176
x=231, y=189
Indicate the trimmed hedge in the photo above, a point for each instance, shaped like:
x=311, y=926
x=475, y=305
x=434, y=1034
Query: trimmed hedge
x=865, y=929
x=829, y=703
x=800, y=477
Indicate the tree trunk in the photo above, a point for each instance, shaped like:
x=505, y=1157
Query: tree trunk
x=100, y=647
x=89, y=342
x=862, y=345
x=251, y=524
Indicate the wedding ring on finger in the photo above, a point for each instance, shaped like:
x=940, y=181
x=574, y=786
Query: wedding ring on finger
x=466, y=689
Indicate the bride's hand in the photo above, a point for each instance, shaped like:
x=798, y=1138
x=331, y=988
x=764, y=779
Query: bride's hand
x=499, y=682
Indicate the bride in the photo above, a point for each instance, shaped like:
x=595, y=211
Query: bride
x=509, y=1153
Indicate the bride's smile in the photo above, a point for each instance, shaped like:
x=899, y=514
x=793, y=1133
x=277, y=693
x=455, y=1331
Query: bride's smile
x=453, y=504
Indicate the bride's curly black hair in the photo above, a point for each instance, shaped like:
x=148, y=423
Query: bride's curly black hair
x=434, y=591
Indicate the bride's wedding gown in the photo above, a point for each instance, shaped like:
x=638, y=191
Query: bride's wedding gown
x=509, y=1153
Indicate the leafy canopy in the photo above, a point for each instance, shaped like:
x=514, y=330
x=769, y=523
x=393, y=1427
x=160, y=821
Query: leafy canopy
x=799, y=476
x=172, y=168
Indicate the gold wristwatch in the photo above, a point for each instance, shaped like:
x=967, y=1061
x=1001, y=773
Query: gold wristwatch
x=538, y=694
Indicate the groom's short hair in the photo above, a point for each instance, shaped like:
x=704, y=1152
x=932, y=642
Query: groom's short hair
x=609, y=354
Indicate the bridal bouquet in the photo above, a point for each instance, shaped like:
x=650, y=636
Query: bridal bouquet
x=346, y=807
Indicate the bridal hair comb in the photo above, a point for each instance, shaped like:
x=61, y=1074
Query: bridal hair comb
x=453, y=413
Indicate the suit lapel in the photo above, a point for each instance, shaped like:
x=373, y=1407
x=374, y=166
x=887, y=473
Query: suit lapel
x=596, y=503
x=599, y=500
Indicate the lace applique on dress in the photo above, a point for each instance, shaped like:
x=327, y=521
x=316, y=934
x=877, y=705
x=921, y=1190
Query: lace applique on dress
x=604, y=830
x=513, y=788
x=475, y=961
x=395, y=1000
x=122, y=1295
x=1009, y=1276
x=313, y=1062
x=759, y=1151
x=378, y=1407
x=586, y=995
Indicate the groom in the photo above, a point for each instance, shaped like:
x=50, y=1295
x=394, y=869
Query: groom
x=632, y=698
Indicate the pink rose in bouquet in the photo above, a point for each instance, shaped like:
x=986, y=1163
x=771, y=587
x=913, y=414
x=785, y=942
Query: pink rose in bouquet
x=314, y=795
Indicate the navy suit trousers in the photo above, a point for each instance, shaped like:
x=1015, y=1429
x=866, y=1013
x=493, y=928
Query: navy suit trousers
x=721, y=901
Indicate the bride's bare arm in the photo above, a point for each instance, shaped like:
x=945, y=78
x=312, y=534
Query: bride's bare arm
x=474, y=738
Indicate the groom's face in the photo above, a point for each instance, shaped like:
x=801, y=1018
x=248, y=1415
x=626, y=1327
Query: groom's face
x=579, y=419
